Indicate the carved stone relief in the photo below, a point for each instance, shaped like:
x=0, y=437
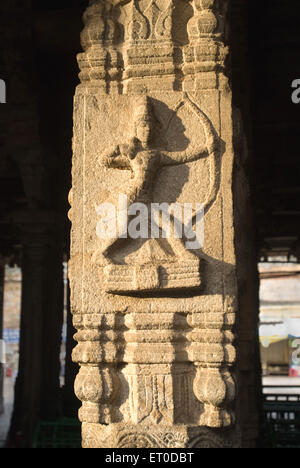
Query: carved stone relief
x=155, y=318
x=155, y=268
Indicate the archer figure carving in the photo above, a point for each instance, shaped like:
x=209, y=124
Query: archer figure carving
x=140, y=156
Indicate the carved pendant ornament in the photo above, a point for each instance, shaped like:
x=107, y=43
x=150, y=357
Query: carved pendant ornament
x=152, y=269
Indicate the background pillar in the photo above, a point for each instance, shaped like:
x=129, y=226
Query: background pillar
x=37, y=392
x=70, y=402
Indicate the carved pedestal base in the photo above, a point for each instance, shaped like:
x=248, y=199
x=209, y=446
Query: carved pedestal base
x=130, y=278
x=174, y=437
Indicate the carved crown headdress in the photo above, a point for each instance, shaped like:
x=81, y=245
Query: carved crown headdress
x=144, y=110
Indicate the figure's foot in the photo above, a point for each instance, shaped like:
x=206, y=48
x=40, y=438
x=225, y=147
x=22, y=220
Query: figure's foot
x=99, y=259
x=190, y=256
x=182, y=253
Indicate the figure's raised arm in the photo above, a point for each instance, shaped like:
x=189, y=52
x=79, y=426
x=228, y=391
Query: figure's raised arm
x=117, y=158
x=108, y=156
x=183, y=157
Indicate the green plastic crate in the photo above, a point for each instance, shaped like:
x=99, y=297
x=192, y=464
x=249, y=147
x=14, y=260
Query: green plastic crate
x=63, y=433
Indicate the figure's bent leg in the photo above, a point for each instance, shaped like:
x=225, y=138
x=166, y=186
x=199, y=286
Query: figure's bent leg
x=181, y=251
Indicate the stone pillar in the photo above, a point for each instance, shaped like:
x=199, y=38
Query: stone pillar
x=70, y=402
x=51, y=403
x=155, y=308
x=37, y=393
x=2, y=368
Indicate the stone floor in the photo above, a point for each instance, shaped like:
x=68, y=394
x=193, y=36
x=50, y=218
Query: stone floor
x=8, y=407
